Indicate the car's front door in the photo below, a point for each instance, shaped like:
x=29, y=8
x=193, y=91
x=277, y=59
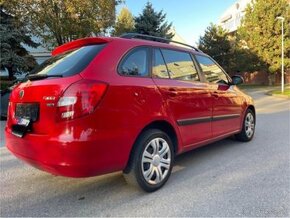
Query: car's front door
x=188, y=99
x=227, y=104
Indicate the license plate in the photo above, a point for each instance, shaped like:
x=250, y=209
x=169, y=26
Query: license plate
x=27, y=111
x=22, y=127
x=23, y=121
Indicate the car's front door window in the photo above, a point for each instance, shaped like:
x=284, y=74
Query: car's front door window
x=180, y=65
x=212, y=72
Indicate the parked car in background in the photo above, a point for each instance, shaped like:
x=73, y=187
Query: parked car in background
x=100, y=105
x=4, y=102
x=7, y=84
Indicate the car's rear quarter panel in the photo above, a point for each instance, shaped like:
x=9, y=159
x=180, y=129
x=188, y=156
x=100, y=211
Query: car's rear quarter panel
x=130, y=103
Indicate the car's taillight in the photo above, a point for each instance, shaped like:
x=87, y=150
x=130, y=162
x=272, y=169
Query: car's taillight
x=79, y=99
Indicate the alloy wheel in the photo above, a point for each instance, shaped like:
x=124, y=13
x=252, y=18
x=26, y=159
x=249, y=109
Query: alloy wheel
x=249, y=125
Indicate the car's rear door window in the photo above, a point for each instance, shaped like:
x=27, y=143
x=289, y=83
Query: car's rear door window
x=180, y=65
x=212, y=72
x=159, y=69
x=69, y=63
x=135, y=63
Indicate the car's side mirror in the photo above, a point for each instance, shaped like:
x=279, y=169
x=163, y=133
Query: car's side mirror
x=236, y=80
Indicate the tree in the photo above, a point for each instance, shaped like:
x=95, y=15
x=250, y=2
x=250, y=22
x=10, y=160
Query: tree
x=153, y=23
x=229, y=51
x=243, y=59
x=261, y=31
x=14, y=56
x=215, y=43
x=124, y=24
x=59, y=21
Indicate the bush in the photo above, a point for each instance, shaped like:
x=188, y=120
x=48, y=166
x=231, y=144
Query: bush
x=5, y=82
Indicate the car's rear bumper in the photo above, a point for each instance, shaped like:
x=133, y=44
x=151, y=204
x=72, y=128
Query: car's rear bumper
x=66, y=157
x=63, y=170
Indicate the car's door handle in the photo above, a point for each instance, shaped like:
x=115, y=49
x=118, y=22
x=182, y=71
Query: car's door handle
x=172, y=92
x=215, y=94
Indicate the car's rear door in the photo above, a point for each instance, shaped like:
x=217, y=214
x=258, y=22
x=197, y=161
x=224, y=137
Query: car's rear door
x=187, y=99
x=227, y=104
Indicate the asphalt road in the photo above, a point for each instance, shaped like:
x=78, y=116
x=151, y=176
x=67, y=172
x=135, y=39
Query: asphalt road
x=226, y=178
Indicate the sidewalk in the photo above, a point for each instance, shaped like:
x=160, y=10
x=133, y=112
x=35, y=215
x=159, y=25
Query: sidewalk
x=270, y=90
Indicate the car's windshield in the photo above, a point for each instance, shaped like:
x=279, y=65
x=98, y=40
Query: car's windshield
x=69, y=63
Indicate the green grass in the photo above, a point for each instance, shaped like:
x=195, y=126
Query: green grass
x=286, y=92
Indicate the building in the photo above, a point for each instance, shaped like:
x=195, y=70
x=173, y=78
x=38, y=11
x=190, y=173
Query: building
x=176, y=36
x=40, y=53
x=231, y=18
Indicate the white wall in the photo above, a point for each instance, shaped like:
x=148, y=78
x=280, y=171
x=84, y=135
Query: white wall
x=231, y=18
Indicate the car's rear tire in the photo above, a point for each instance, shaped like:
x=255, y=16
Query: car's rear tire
x=151, y=162
x=248, y=129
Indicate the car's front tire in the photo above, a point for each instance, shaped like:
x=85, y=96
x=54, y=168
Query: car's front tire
x=248, y=129
x=151, y=162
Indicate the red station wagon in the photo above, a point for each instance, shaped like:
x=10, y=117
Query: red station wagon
x=133, y=103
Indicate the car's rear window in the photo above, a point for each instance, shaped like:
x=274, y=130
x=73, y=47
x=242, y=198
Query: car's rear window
x=69, y=63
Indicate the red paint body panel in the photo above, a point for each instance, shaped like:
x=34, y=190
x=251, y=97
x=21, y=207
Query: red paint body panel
x=226, y=101
x=188, y=100
x=101, y=142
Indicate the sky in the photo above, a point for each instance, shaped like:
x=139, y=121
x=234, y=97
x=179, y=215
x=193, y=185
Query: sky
x=189, y=17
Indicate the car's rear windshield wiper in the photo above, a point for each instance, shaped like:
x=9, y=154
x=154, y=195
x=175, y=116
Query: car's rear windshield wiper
x=41, y=76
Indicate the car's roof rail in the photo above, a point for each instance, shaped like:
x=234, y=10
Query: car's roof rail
x=155, y=38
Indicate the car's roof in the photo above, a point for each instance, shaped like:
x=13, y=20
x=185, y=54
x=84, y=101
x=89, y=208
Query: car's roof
x=97, y=40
